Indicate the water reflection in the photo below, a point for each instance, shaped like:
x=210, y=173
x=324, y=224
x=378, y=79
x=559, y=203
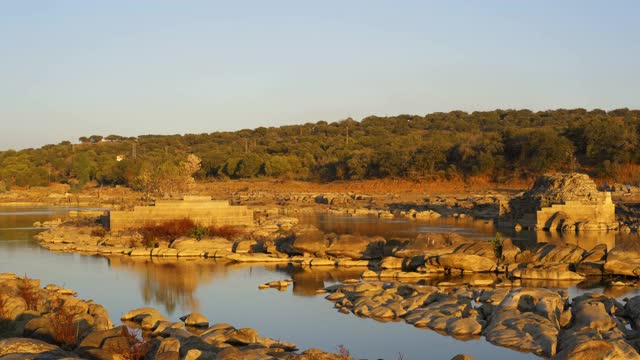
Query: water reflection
x=478, y=229
x=398, y=227
x=174, y=283
x=169, y=281
x=307, y=280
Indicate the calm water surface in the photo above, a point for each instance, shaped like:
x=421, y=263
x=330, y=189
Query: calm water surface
x=229, y=293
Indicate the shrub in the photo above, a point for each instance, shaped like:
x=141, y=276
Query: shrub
x=343, y=352
x=135, y=347
x=225, y=231
x=496, y=242
x=99, y=231
x=65, y=332
x=28, y=292
x=198, y=232
x=168, y=230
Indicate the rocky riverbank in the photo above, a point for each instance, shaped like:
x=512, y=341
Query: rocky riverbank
x=541, y=321
x=279, y=239
x=51, y=323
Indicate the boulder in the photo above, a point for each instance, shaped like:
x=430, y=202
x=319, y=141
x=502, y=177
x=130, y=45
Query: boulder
x=246, y=246
x=357, y=247
x=309, y=240
x=205, y=244
x=523, y=331
x=596, y=254
x=430, y=244
x=391, y=262
x=148, y=318
x=527, y=319
x=461, y=261
x=243, y=336
x=624, y=259
x=594, y=332
x=22, y=348
x=462, y=357
x=632, y=310
x=545, y=253
x=195, y=320
x=96, y=339
x=598, y=350
x=13, y=306
x=476, y=247
x=464, y=327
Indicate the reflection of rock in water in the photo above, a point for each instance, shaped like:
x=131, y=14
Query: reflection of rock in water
x=307, y=280
x=398, y=227
x=172, y=282
x=586, y=240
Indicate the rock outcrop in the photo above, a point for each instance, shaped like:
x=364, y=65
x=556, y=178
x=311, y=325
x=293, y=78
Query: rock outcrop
x=50, y=323
x=540, y=321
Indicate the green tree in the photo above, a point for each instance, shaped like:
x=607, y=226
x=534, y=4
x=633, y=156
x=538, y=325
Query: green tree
x=248, y=166
x=81, y=168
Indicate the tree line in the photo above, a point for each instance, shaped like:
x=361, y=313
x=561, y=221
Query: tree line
x=500, y=144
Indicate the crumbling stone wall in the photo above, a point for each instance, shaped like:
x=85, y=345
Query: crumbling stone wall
x=201, y=209
x=566, y=202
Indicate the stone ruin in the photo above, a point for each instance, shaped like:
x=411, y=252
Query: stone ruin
x=201, y=209
x=563, y=202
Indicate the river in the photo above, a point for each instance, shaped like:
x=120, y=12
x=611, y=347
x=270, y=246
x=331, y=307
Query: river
x=229, y=293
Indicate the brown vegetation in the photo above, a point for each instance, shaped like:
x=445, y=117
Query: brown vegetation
x=225, y=231
x=100, y=231
x=173, y=229
x=343, y=352
x=168, y=230
x=223, y=189
x=28, y=292
x=135, y=347
x=65, y=332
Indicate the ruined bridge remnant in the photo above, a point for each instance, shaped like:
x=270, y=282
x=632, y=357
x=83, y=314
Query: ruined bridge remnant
x=201, y=209
x=565, y=202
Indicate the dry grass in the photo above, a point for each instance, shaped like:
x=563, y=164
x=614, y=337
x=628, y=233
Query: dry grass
x=99, y=231
x=135, y=347
x=225, y=231
x=627, y=173
x=168, y=230
x=65, y=332
x=374, y=186
x=28, y=292
x=343, y=352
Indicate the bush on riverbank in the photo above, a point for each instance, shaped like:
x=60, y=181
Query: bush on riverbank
x=173, y=229
x=168, y=230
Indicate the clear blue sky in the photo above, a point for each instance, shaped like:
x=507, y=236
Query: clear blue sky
x=73, y=68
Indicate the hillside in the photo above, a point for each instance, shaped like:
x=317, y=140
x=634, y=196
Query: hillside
x=500, y=145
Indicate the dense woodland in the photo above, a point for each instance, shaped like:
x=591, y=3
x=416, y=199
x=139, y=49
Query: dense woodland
x=500, y=144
